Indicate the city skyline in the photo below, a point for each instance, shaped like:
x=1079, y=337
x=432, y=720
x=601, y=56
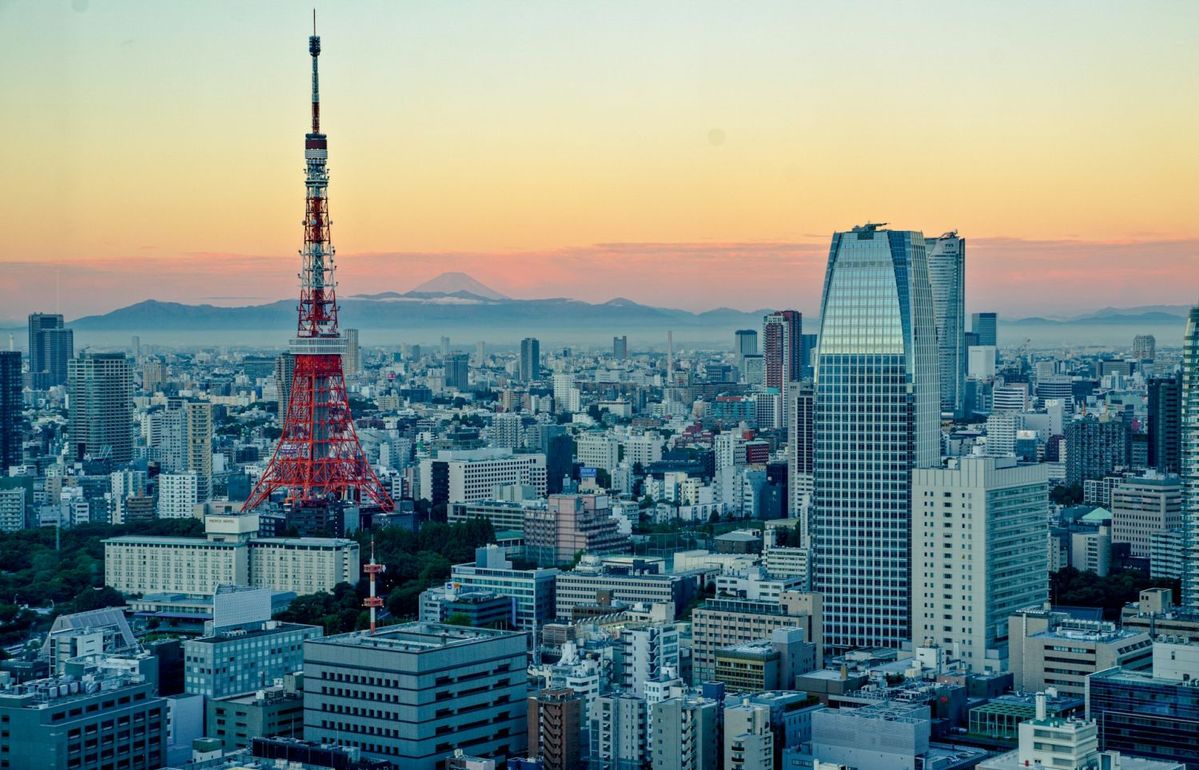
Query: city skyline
x=695, y=161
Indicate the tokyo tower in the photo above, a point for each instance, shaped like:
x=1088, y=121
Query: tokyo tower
x=318, y=459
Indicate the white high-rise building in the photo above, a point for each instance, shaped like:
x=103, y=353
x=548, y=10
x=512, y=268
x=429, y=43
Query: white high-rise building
x=877, y=417
x=505, y=430
x=978, y=554
x=947, y=274
x=748, y=740
x=177, y=495
x=598, y=450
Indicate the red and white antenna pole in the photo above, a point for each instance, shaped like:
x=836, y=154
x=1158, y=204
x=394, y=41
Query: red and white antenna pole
x=373, y=601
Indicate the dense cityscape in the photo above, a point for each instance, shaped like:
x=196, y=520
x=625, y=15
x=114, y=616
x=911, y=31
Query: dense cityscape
x=882, y=532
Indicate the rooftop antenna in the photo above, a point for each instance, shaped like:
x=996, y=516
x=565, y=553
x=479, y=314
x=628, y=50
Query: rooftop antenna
x=373, y=569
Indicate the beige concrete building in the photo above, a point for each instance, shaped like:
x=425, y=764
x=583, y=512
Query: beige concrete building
x=230, y=554
x=1142, y=506
x=977, y=531
x=1049, y=649
x=729, y=622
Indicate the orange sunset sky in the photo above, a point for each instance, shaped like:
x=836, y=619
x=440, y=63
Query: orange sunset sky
x=684, y=154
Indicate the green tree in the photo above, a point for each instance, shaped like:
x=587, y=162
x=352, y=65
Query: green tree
x=458, y=619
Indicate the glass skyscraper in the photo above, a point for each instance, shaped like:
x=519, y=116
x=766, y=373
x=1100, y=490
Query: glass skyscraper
x=877, y=417
x=1190, y=462
x=947, y=274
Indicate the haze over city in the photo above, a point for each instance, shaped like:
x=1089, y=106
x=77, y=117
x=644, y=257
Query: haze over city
x=665, y=152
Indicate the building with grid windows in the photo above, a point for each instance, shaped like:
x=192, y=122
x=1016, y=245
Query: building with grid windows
x=878, y=408
x=947, y=275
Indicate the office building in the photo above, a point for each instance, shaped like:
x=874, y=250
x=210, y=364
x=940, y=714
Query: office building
x=1189, y=463
x=877, y=418
x=801, y=429
x=285, y=372
x=782, y=348
x=231, y=553
x=1144, y=506
x=504, y=515
x=748, y=738
x=570, y=524
x=351, y=359
x=276, y=711
x=457, y=371
x=241, y=660
x=13, y=517
x=410, y=694
x=947, y=275
x=1095, y=448
x=583, y=585
x=556, y=728
x=1144, y=347
x=531, y=589
x=1155, y=613
x=643, y=652
x=177, y=495
x=101, y=713
x=978, y=533
x=50, y=348
x=686, y=734
x=505, y=430
x=722, y=623
x=197, y=441
x=530, y=359
x=768, y=664
x=619, y=732
x=985, y=327
x=10, y=410
x=466, y=607
x=745, y=343
x=620, y=348
x=464, y=476
x=1146, y=714
x=101, y=392
x=1165, y=424
x=1049, y=649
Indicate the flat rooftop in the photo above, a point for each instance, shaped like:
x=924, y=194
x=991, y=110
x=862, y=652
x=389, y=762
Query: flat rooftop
x=415, y=637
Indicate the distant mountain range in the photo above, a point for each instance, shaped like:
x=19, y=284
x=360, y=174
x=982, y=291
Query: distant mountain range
x=450, y=301
x=456, y=301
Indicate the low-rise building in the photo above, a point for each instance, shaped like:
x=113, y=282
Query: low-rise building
x=410, y=694
x=244, y=660
x=99, y=713
x=1139, y=713
x=727, y=622
x=271, y=712
x=1049, y=649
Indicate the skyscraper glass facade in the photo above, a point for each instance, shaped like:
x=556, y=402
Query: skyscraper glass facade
x=877, y=417
x=947, y=275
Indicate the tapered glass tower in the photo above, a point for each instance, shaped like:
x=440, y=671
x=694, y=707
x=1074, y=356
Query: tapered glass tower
x=947, y=274
x=877, y=417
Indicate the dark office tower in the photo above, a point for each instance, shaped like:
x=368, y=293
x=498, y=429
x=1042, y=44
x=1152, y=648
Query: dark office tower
x=947, y=275
x=555, y=727
x=101, y=390
x=1095, y=448
x=285, y=372
x=50, y=348
x=10, y=410
x=782, y=343
x=986, y=327
x=746, y=342
x=620, y=347
x=877, y=417
x=530, y=359
x=1165, y=424
x=1189, y=462
x=457, y=370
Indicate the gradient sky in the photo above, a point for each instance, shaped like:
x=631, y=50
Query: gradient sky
x=690, y=154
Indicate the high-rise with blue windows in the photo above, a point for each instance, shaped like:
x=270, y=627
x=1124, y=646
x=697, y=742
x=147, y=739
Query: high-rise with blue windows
x=877, y=417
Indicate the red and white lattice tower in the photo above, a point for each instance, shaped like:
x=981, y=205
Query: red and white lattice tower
x=374, y=602
x=318, y=458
